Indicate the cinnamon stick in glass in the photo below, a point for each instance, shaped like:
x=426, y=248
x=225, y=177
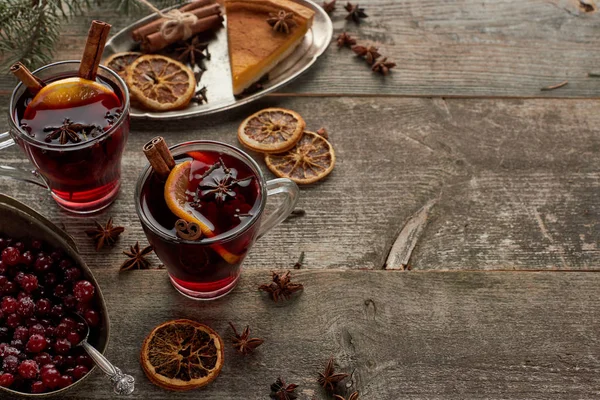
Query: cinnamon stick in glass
x=93, y=50
x=200, y=8
x=33, y=83
x=156, y=41
x=159, y=156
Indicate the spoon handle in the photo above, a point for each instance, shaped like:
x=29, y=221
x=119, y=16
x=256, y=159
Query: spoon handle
x=123, y=384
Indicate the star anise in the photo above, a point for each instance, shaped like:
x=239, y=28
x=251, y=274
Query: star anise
x=345, y=40
x=329, y=6
x=219, y=182
x=192, y=51
x=137, y=258
x=383, y=66
x=281, y=21
x=68, y=131
x=329, y=379
x=370, y=53
x=105, y=235
x=355, y=12
x=353, y=396
x=281, y=391
x=243, y=343
x=281, y=288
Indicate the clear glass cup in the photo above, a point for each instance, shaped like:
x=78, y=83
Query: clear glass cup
x=83, y=177
x=197, y=269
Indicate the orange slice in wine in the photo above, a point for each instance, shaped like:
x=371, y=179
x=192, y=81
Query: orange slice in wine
x=310, y=160
x=182, y=355
x=176, y=199
x=272, y=130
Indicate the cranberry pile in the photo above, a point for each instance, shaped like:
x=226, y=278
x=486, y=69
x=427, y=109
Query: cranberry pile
x=39, y=288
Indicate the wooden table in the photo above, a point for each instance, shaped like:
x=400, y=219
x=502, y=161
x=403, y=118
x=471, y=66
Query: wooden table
x=484, y=189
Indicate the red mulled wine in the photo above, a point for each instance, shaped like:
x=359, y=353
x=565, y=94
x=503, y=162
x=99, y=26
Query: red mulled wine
x=223, y=193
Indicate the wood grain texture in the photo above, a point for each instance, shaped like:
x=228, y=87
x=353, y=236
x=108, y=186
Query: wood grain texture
x=416, y=335
x=454, y=48
x=517, y=182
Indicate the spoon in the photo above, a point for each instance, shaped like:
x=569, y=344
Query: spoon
x=123, y=384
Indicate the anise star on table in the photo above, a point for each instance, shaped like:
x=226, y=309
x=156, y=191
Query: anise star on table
x=243, y=343
x=68, y=131
x=281, y=288
x=105, y=235
x=137, y=258
x=383, y=66
x=193, y=51
x=329, y=6
x=345, y=40
x=371, y=53
x=329, y=379
x=281, y=391
x=281, y=21
x=355, y=12
x=353, y=396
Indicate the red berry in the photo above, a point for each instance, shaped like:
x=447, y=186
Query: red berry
x=13, y=320
x=10, y=364
x=10, y=288
x=92, y=318
x=21, y=333
x=19, y=246
x=57, y=311
x=38, y=387
x=84, y=291
x=43, y=359
x=60, y=290
x=29, y=369
x=37, y=329
x=51, y=377
x=61, y=330
x=65, y=381
x=70, y=301
x=11, y=256
x=29, y=283
x=3, y=267
x=79, y=372
x=72, y=274
x=62, y=346
x=50, y=279
x=43, y=306
x=6, y=379
x=9, y=305
x=73, y=337
x=36, y=343
x=27, y=258
x=84, y=359
x=43, y=264
x=26, y=307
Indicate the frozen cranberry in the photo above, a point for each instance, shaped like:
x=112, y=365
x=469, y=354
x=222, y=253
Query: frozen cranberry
x=84, y=291
x=19, y=246
x=65, y=381
x=10, y=364
x=13, y=320
x=36, y=244
x=70, y=322
x=10, y=287
x=3, y=267
x=3, y=335
x=38, y=387
x=43, y=359
x=43, y=306
x=9, y=351
x=73, y=337
x=19, y=277
x=72, y=274
x=61, y=330
x=36, y=344
x=43, y=264
x=62, y=346
x=21, y=333
x=17, y=344
x=58, y=360
x=51, y=377
x=6, y=379
x=56, y=255
x=46, y=367
x=27, y=259
x=22, y=294
x=79, y=372
x=92, y=318
x=26, y=307
x=60, y=290
x=84, y=359
x=37, y=329
x=29, y=369
x=70, y=302
x=81, y=328
x=69, y=362
x=51, y=279
x=50, y=331
x=57, y=311
x=30, y=321
x=9, y=305
x=82, y=308
x=3, y=280
x=11, y=256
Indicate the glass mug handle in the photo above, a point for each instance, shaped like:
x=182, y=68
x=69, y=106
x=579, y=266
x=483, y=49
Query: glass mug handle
x=291, y=191
x=10, y=172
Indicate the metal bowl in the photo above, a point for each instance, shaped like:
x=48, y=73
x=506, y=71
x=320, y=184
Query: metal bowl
x=20, y=221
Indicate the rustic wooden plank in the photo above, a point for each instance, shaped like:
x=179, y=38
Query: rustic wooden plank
x=457, y=48
x=517, y=183
x=416, y=335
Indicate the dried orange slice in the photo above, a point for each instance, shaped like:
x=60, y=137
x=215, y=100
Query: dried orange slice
x=176, y=199
x=161, y=83
x=310, y=160
x=272, y=130
x=182, y=355
x=120, y=62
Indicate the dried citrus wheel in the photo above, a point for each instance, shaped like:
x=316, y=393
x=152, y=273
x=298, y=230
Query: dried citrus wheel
x=176, y=199
x=182, y=355
x=310, y=160
x=69, y=92
x=272, y=130
x=161, y=83
x=120, y=62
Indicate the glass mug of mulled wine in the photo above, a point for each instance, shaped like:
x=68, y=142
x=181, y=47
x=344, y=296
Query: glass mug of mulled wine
x=224, y=190
x=75, y=139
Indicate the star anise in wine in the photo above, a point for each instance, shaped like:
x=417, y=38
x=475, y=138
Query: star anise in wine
x=243, y=343
x=345, y=40
x=105, y=235
x=193, y=51
x=219, y=182
x=383, y=66
x=353, y=396
x=137, y=258
x=68, y=131
x=329, y=6
x=371, y=53
x=355, y=12
x=329, y=379
x=281, y=21
x=282, y=391
x=281, y=288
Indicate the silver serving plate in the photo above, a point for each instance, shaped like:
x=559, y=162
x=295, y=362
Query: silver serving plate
x=217, y=77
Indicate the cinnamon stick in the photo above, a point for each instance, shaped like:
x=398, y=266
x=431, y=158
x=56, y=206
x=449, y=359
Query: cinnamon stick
x=159, y=156
x=156, y=41
x=24, y=75
x=200, y=8
x=93, y=50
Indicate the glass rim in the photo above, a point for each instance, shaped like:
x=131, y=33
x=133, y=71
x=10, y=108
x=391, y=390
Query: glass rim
x=75, y=146
x=224, y=237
